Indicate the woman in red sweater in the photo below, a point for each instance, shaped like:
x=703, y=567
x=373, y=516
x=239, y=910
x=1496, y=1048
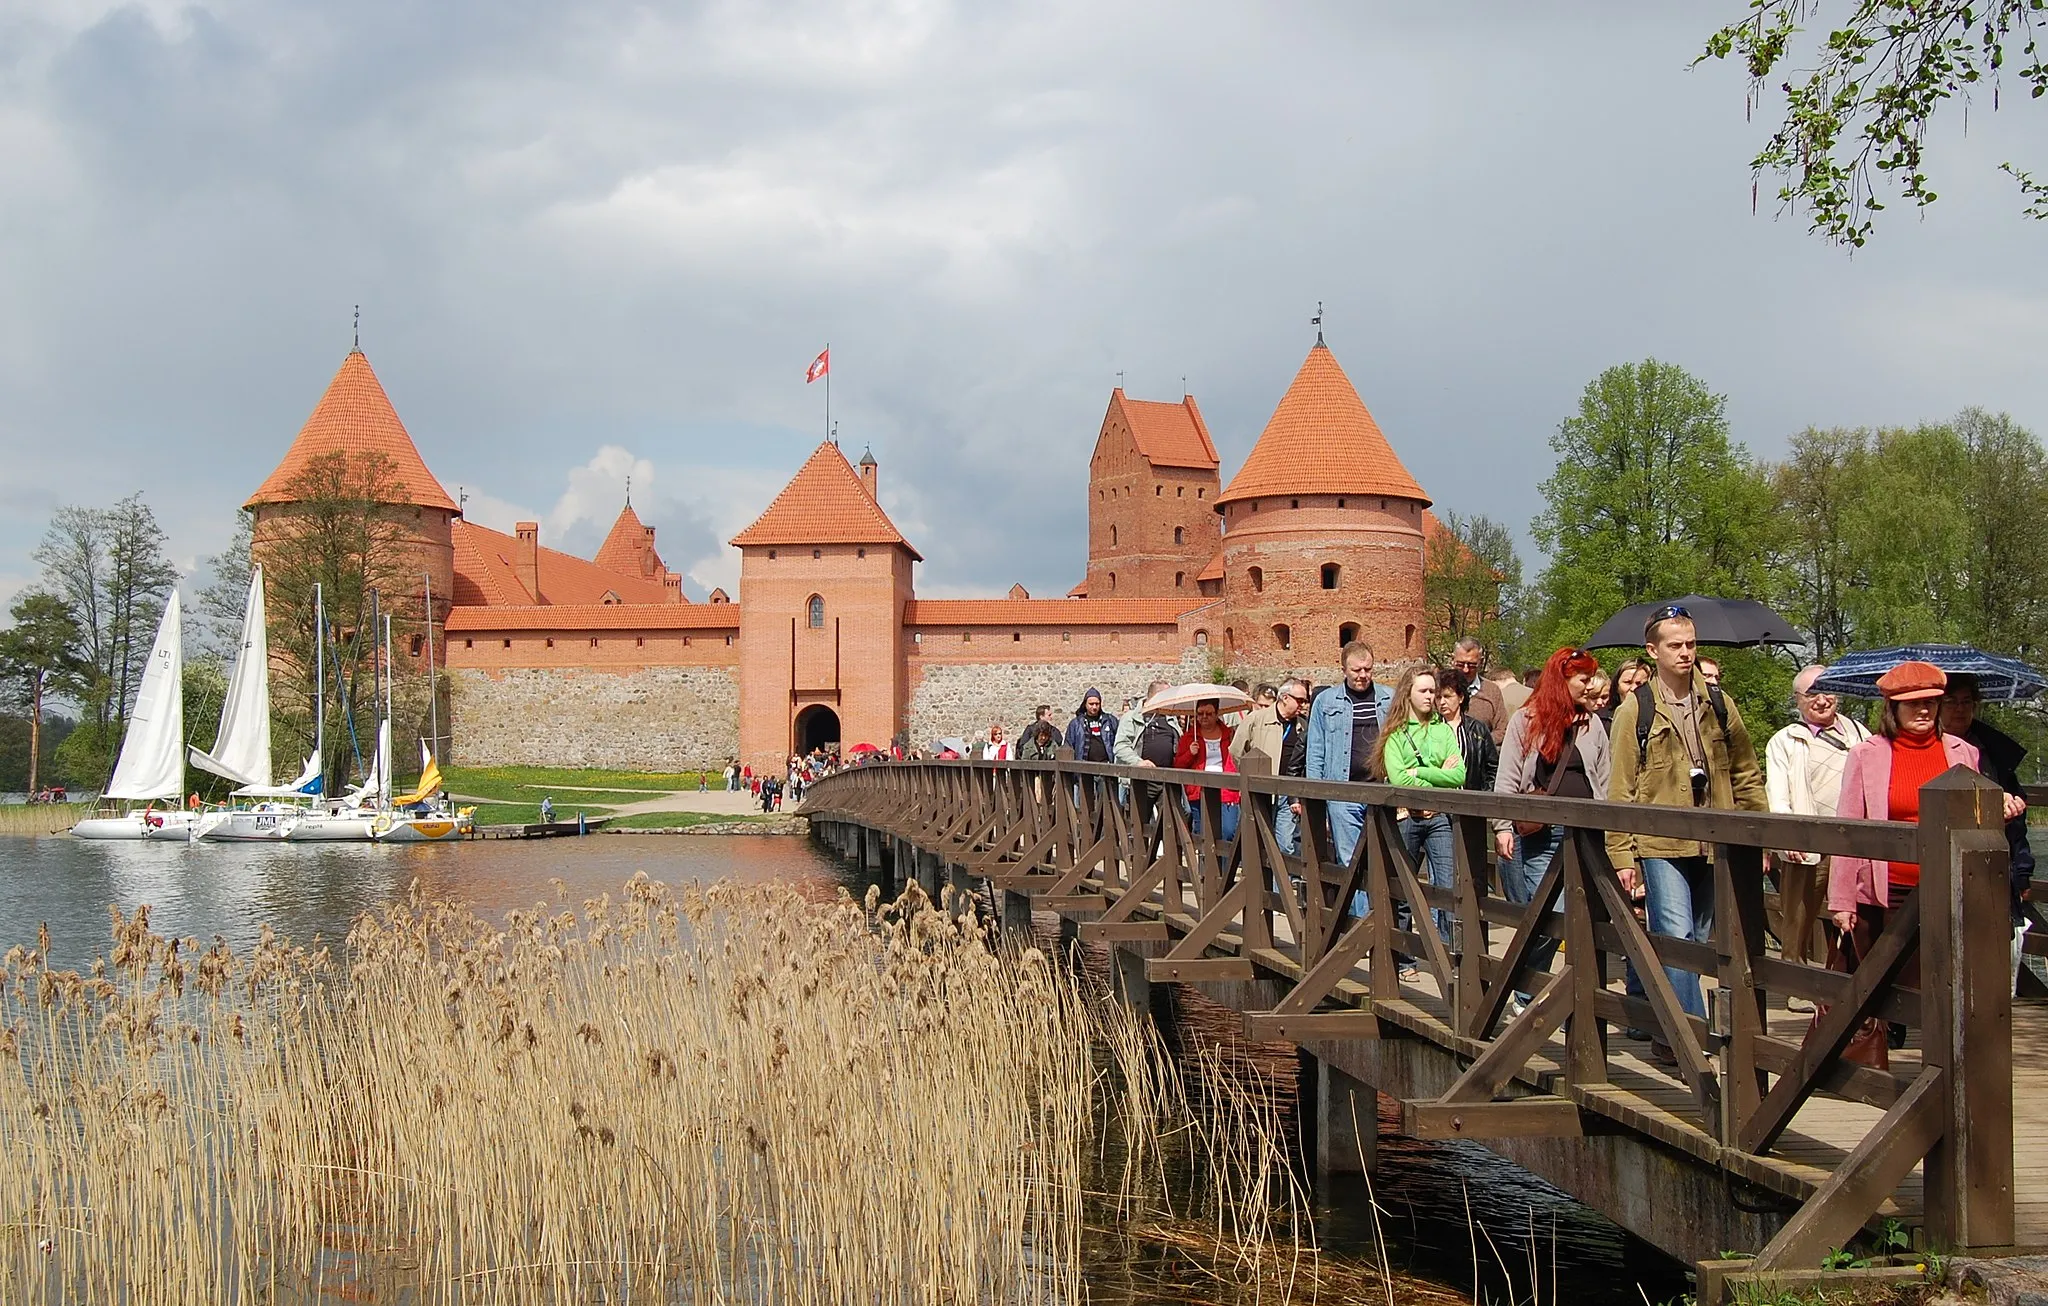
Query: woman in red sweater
x=1881, y=782
x=1207, y=748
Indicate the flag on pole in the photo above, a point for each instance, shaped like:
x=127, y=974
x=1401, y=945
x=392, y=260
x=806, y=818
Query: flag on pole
x=820, y=366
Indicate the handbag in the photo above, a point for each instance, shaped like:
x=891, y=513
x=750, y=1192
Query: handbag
x=1870, y=1045
x=1527, y=828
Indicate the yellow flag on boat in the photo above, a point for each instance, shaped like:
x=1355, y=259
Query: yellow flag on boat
x=429, y=785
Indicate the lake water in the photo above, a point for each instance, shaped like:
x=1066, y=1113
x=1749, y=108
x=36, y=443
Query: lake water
x=314, y=890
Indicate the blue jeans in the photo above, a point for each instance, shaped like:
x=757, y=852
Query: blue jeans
x=1228, y=823
x=1429, y=842
x=1347, y=822
x=1520, y=877
x=1681, y=906
x=1286, y=826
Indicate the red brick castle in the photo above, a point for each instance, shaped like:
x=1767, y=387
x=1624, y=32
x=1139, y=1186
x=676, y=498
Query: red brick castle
x=552, y=659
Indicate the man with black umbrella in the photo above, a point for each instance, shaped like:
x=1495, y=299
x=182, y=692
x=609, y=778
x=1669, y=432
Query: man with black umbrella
x=2000, y=756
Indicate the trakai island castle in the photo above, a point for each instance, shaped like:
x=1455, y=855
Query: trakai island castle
x=552, y=659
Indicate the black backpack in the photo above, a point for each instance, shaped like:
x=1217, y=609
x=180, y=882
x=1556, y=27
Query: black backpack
x=1646, y=716
x=1158, y=740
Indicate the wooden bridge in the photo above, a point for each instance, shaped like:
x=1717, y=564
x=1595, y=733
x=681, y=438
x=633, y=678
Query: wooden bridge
x=1762, y=1140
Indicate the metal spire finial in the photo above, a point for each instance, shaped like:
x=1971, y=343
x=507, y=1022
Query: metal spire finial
x=359, y=328
x=629, y=489
x=1317, y=321
x=1119, y=378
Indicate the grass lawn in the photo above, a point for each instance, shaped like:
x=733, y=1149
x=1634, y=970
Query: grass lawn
x=517, y=784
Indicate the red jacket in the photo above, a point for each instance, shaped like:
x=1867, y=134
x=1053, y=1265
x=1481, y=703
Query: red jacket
x=1188, y=756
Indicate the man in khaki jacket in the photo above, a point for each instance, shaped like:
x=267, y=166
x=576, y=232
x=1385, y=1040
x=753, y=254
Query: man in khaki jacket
x=1694, y=756
x=1803, y=773
x=1279, y=733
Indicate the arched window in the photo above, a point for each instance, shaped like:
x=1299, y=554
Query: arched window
x=1332, y=573
x=1230, y=639
x=1408, y=639
x=1180, y=535
x=1283, y=637
x=1180, y=580
x=1112, y=537
x=817, y=609
x=1201, y=639
x=1112, y=580
x=1258, y=578
x=1346, y=633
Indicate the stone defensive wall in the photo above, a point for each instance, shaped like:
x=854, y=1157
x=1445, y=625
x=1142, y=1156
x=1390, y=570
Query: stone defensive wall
x=639, y=719
x=962, y=698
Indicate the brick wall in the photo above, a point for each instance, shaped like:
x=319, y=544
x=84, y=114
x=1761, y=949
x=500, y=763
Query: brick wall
x=961, y=699
x=1376, y=545
x=649, y=719
x=1134, y=509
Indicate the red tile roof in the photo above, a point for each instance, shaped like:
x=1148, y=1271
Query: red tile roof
x=572, y=618
x=355, y=415
x=1043, y=612
x=824, y=503
x=487, y=574
x=1214, y=571
x=1079, y=591
x=628, y=543
x=1321, y=440
x=1169, y=435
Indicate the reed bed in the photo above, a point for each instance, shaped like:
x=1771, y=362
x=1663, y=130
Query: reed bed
x=41, y=818
x=727, y=1094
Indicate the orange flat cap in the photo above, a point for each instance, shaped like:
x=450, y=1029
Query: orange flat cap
x=1910, y=680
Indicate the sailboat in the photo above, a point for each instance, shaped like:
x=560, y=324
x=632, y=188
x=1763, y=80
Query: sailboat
x=241, y=751
x=150, y=768
x=349, y=819
x=433, y=821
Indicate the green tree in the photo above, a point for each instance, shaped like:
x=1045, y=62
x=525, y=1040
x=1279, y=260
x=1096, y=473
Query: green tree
x=1817, y=490
x=39, y=659
x=1858, y=101
x=109, y=568
x=1649, y=500
x=341, y=533
x=219, y=604
x=1472, y=585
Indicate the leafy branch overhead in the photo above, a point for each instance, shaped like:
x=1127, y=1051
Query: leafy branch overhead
x=1855, y=123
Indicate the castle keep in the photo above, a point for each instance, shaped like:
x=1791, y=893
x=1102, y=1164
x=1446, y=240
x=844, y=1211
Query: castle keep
x=553, y=659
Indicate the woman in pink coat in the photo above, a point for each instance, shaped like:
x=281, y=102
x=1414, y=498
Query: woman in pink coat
x=1881, y=782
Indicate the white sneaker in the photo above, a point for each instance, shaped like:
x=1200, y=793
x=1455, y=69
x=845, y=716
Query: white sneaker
x=1800, y=1006
x=1515, y=1008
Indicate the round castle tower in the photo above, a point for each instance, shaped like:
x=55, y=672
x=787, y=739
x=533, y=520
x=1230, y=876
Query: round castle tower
x=1322, y=534
x=353, y=417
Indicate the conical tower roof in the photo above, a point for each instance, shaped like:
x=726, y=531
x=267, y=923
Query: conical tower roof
x=354, y=416
x=824, y=503
x=1321, y=440
x=623, y=547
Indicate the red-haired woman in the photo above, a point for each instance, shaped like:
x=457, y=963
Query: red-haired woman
x=1554, y=745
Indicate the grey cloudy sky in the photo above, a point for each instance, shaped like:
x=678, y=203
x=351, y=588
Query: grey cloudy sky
x=603, y=237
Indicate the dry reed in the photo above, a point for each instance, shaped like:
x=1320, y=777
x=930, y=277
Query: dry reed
x=727, y=1094
x=41, y=818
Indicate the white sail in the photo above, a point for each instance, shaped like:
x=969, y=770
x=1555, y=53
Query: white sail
x=299, y=788
x=384, y=761
x=152, y=764
x=241, y=751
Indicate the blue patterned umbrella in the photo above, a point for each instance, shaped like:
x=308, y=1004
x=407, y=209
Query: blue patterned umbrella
x=2000, y=679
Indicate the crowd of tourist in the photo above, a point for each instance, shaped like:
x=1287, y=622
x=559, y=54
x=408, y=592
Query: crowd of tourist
x=1656, y=729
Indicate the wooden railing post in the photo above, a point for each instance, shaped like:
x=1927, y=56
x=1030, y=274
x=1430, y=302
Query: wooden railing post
x=1966, y=1008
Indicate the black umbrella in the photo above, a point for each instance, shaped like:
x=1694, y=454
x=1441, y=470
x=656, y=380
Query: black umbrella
x=1732, y=623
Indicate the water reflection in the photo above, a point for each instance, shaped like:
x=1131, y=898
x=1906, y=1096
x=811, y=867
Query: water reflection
x=308, y=890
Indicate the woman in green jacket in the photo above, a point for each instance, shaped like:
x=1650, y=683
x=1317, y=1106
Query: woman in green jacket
x=1419, y=749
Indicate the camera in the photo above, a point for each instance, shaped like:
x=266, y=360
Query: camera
x=1699, y=786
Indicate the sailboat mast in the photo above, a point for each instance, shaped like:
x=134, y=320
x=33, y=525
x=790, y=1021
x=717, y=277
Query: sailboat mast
x=433, y=689
x=389, y=671
x=320, y=684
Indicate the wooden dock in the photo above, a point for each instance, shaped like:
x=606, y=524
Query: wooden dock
x=1761, y=1140
x=543, y=829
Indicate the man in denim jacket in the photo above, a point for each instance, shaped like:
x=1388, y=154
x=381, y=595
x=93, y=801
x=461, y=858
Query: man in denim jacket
x=1343, y=733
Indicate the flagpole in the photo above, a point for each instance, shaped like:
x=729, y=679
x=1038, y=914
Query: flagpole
x=828, y=390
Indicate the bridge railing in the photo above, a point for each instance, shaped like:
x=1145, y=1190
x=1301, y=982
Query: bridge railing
x=1118, y=844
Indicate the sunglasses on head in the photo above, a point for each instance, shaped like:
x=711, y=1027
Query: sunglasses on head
x=1668, y=611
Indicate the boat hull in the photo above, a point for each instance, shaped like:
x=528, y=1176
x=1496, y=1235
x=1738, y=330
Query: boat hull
x=421, y=829
x=248, y=826
x=109, y=827
x=171, y=827
x=319, y=827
